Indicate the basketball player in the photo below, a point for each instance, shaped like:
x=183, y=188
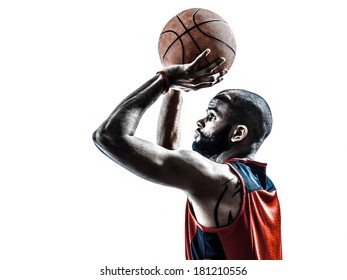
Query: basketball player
x=232, y=209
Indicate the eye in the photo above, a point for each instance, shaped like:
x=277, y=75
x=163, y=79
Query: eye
x=211, y=116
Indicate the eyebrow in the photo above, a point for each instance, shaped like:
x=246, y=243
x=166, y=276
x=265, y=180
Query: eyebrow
x=212, y=107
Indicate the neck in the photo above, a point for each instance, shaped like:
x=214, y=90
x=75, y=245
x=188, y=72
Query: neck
x=224, y=156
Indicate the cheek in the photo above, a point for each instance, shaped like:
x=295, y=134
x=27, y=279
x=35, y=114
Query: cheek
x=210, y=129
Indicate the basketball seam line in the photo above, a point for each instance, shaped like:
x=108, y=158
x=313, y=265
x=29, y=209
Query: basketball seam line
x=191, y=36
x=187, y=31
x=178, y=38
x=227, y=45
x=184, y=33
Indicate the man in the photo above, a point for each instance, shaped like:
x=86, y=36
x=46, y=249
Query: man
x=232, y=209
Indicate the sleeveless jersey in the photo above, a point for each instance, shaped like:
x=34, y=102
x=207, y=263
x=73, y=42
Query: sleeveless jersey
x=255, y=234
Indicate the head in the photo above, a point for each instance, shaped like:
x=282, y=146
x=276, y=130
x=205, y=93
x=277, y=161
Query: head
x=237, y=123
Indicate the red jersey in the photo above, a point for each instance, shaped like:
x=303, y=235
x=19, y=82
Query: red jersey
x=255, y=234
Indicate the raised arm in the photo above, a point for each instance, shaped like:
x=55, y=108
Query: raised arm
x=168, y=129
x=115, y=137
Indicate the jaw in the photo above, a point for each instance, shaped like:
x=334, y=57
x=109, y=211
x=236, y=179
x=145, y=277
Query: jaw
x=221, y=156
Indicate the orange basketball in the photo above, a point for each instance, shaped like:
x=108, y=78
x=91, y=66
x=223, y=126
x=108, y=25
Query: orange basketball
x=192, y=31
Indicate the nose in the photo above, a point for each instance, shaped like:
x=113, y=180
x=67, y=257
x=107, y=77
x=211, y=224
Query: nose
x=200, y=123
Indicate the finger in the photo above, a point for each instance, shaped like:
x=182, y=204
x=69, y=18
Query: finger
x=200, y=57
x=205, y=79
x=210, y=80
x=212, y=74
x=208, y=84
x=201, y=82
x=223, y=72
x=211, y=67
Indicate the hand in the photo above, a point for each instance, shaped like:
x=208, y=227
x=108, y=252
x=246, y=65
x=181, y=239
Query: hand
x=186, y=77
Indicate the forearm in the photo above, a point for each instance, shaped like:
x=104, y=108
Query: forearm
x=168, y=130
x=126, y=117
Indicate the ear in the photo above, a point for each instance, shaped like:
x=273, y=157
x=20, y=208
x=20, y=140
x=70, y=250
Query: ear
x=240, y=132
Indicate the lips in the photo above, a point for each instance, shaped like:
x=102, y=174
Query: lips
x=197, y=133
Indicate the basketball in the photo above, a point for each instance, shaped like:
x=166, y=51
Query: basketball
x=192, y=31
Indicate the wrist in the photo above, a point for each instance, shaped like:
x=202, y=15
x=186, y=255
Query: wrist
x=166, y=80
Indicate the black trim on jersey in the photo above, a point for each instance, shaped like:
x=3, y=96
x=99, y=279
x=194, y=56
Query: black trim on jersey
x=254, y=176
x=217, y=205
x=206, y=246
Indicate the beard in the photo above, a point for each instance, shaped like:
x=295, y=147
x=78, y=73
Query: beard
x=212, y=146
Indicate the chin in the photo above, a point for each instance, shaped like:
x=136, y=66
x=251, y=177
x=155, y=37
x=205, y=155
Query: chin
x=195, y=146
x=202, y=149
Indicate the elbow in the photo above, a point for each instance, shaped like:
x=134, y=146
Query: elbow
x=100, y=139
x=111, y=146
x=97, y=137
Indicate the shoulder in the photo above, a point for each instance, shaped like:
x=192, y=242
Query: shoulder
x=201, y=175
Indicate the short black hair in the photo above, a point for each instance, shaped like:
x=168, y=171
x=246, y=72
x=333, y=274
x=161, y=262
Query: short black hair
x=250, y=109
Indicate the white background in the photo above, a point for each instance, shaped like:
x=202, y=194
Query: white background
x=66, y=210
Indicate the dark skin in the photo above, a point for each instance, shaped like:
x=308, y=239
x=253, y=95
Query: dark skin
x=206, y=181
